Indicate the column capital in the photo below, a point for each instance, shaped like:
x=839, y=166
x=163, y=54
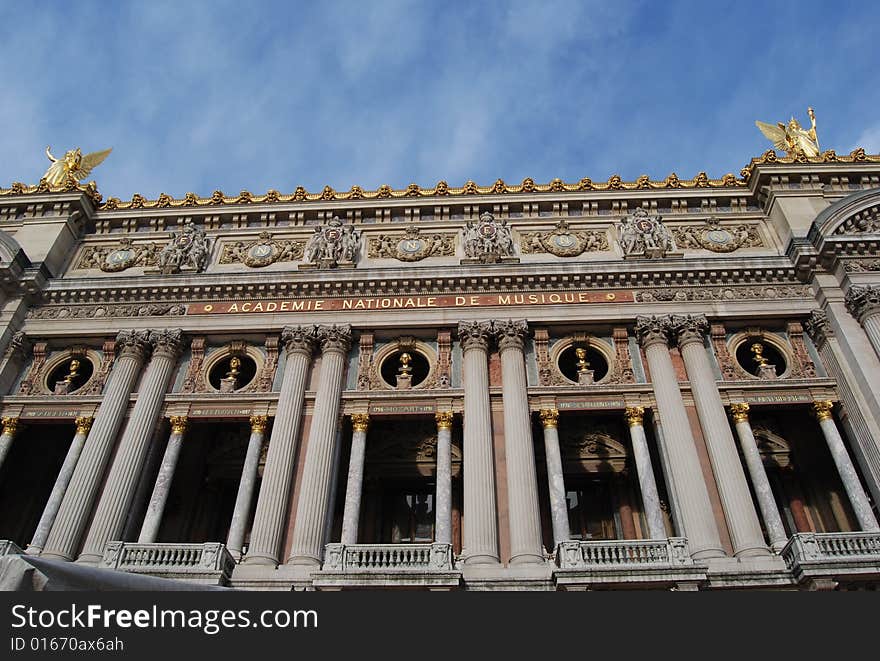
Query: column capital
x=167, y=342
x=259, y=424
x=360, y=421
x=334, y=338
x=84, y=424
x=818, y=327
x=10, y=426
x=687, y=328
x=179, y=424
x=300, y=339
x=444, y=419
x=862, y=300
x=822, y=410
x=549, y=418
x=739, y=412
x=653, y=329
x=634, y=416
x=474, y=334
x=133, y=343
x=510, y=333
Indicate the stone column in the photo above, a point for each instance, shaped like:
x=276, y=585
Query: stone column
x=635, y=418
x=156, y=508
x=443, y=486
x=857, y=496
x=246, y=485
x=684, y=463
x=758, y=475
x=268, y=528
x=863, y=302
x=123, y=476
x=739, y=510
x=83, y=425
x=480, y=529
x=522, y=478
x=360, y=422
x=555, y=476
x=10, y=427
x=311, y=511
x=76, y=507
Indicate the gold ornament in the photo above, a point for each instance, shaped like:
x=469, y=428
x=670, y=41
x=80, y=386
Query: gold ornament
x=360, y=422
x=792, y=138
x=259, y=424
x=822, y=410
x=634, y=415
x=444, y=419
x=73, y=166
x=84, y=425
x=179, y=423
x=10, y=426
x=757, y=350
x=549, y=418
x=740, y=412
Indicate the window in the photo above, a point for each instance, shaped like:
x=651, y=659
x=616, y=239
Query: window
x=412, y=516
x=590, y=512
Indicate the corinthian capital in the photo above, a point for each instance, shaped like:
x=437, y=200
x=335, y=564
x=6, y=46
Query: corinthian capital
x=510, y=333
x=134, y=343
x=167, y=342
x=651, y=329
x=818, y=327
x=474, y=334
x=862, y=300
x=334, y=338
x=689, y=328
x=299, y=339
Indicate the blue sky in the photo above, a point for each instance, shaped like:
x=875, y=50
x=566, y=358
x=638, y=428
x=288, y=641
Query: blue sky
x=197, y=96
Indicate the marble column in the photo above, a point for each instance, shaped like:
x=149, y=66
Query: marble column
x=863, y=302
x=360, y=422
x=246, y=485
x=311, y=512
x=736, y=500
x=443, y=486
x=10, y=428
x=76, y=507
x=480, y=529
x=50, y=511
x=857, y=496
x=522, y=478
x=156, y=507
x=635, y=418
x=691, y=493
x=758, y=475
x=268, y=529
x=123, y=476
x=555, y=476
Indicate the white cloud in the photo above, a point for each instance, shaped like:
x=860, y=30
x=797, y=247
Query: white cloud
x=869, y=140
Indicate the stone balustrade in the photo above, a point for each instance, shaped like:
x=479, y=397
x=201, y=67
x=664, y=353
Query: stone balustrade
x=8, y=548
x=388, y=557
x=623, y=553
x=834, y=554
x=209, y=562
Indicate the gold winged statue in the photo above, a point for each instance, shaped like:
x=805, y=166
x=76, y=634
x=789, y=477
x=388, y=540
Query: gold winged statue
x=74, y=165
x=792, y=138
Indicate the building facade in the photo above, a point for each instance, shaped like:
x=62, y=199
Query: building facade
x=654, y=384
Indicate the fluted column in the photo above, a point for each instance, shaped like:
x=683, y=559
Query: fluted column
x=243, y=499
x=156, y=507
x=73, y=515
x=268, y=528
x=522, y=478
x=758, y=475
x=127, y=465
x=555, y=476
x=684, y=463
x=635, y=419
x=443, y=486
x=480, y=533
x=50, y=511
x=857, y=496
x=739, y=510
x=311, y=511
x=360, y=422
x=10, y=428
x=863, y=302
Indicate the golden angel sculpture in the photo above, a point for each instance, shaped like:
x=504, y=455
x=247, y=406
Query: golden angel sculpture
x=792, y=138
x=74, y=165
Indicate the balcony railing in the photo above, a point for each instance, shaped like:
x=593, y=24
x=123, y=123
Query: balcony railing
x=8, y=548
x=623, y=554
x=175, y=560
x=806, y=551
x=382, y=558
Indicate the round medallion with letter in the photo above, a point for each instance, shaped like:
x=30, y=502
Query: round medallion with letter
x=119, y=260
x=261, y=254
